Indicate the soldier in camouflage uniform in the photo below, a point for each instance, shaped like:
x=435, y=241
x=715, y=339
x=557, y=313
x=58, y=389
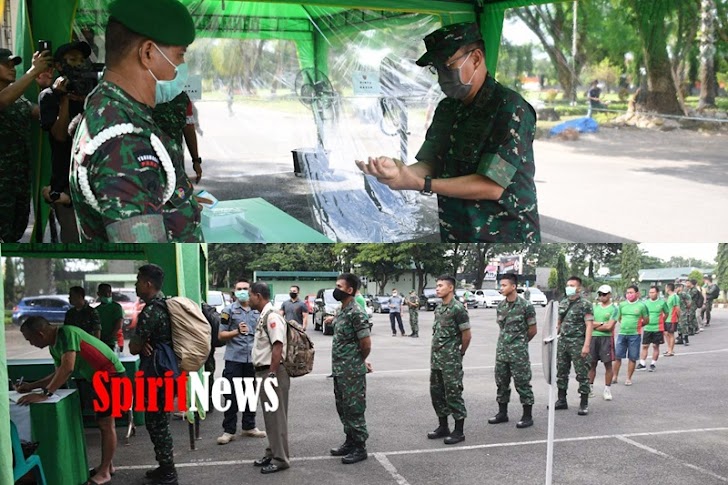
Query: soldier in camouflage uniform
x=517, y=322
x=692, y=292
x=154, y=327
x=683, y=327
x=349, y=351
x=450, y=341
x=413, y=303
x=176, y=119
x=128, y=182
x=16, y=113
x=478, y=152
x=576, y=318
x=711, y=292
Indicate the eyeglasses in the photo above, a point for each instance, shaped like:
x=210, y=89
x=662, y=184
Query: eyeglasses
x=446, y=67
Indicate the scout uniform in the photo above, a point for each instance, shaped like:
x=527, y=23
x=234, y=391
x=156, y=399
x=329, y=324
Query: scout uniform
x=493, y=137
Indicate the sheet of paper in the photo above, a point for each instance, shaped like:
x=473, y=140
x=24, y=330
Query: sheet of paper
x=56, y=397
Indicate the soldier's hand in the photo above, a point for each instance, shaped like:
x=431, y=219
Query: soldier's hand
x=60, y=85
x=41, y=62
x=390, y=172
x=243, y=328
x=64, y=199
x=328, y=319
x=24, y=388
x=46, y=192
x=147, y=350
x=370, y=369
x=198, y=171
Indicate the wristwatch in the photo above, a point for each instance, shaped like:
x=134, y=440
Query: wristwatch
x=271, y=375
x=46, y=392
x=428, y=186
x=197, y=160
x=54, y=196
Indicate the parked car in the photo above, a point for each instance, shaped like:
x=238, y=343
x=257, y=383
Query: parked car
x=132, y=306
x=429, y=299
x=488, y=298
x=537, y=297
x=472, y=301
x=217, y=299
x=279, y=299
x=310, y=303
x=51, y=307
x=380, y=304
x=326, y=305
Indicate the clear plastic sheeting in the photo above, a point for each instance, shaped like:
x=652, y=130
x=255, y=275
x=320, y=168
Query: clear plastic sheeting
x=269, y=78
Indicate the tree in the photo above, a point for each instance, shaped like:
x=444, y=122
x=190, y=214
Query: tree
x=226, y=262
x=696, y=275
x=382, y=262
x=721, y=270
x=593, y=256
x=708, y=80
x=561, y=275
x=650, y=17
x=9, y=283
x=427, y=258
x=630, y=264
x=651, y=262
x=553, y=279
x=681, y=262
x=478, y=257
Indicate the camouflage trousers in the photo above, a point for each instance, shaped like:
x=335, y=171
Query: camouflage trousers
x=14, y=208
x=350, y=393
x=414, y=317
x=692, y=322
x=569, y=351
x=446, y=391
x=520, y=371
x=705, y=312
x=682, y=327
x=158, y=428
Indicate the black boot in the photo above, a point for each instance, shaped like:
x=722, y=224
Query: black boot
x=458, y=435
x=561, y=402
x=358, y=453
x=502, y=416
x=686, y=339
x=526, y=419
x=167, y=475
x=584, y=405
x=344, y=449
x=152, y=474
x=679, y=340
x=441, y=431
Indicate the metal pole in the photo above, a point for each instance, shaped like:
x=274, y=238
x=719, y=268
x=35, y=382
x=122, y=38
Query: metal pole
x=551, y=339
x=573, y=54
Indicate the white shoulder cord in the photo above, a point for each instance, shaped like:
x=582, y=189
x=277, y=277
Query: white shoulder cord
x=116, y=131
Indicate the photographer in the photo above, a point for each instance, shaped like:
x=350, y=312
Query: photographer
x=15, y=117
x=59, y=104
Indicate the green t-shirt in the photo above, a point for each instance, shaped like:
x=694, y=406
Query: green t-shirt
x=92, y=355
x=604, y=314
x=655, y=308
x=109, y=314
x=629, y=316
x=673, y=301
x=362, y=302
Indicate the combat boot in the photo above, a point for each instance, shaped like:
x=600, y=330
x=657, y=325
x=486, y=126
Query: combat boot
x=584, y=405
x=526, y=420
x=167, y=475
x=458, y=435
x=344, y=449
x=358, y=453
x=441, y=431
x=153, y=474
x=561, y=401
x=502, y=416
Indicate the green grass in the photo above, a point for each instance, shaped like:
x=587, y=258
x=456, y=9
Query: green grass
x=8, y=317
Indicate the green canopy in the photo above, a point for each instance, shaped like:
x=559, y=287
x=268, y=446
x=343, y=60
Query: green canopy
x=185, y=267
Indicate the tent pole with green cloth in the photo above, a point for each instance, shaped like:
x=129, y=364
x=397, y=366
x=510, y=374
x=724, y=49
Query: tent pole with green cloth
x=6, y=451
x=274, y=19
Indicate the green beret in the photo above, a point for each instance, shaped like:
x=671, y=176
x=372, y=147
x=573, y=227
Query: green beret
x=445, y=41
x=165, y=21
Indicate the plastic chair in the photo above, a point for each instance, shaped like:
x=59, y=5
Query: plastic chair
x=23, y=465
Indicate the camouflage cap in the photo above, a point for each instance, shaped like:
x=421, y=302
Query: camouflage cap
x=165, y=21
x=445, y=41
x=6, y=55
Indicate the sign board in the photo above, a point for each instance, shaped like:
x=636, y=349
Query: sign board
x=366, y=83
x=491, y=272
x=511, y=264
x=193, y=88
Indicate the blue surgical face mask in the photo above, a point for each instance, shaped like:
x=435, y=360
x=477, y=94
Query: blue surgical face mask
x=570, y=291
x=242, y=295
x=166, y=91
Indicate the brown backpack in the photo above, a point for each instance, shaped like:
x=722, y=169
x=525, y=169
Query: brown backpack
x=299, y=349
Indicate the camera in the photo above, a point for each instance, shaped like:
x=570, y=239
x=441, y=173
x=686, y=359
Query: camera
x=82, y=81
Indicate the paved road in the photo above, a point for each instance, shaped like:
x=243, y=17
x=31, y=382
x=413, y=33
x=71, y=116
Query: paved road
x=670, y=427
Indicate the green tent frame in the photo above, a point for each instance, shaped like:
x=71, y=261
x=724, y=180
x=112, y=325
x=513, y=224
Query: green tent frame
x=263, y=19
x=185, y=267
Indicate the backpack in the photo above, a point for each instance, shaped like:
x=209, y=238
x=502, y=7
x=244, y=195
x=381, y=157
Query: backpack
x=715, y=293
x=190, y=333
x=299, y=349
x=213, y=318
x=699, y=300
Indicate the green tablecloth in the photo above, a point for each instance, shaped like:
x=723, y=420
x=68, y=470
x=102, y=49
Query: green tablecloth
x=273, y=225
x=58, y=428
x=34, y=369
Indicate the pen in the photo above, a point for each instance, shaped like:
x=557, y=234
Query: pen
x=19, y=382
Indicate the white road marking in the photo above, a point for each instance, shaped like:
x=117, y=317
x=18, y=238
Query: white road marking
x=451, y=449
x=381, y=458
x=672, y=458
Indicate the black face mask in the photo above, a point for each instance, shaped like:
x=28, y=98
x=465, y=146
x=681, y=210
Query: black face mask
x=340, y=295
x=293, y=295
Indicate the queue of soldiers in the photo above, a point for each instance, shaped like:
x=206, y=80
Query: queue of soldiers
x=117, y=155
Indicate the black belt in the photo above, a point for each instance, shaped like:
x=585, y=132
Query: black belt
x=262, y=368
